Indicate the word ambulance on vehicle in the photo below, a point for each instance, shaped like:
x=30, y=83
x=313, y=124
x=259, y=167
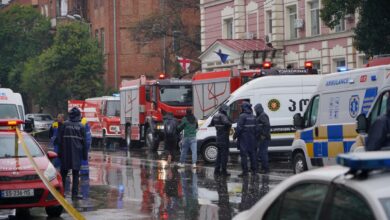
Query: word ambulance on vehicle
x=102, y=114
x=145, y=102
x=281, y=95
x=328, y=126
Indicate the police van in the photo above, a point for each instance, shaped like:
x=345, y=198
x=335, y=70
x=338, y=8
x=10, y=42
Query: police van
x=281, y=96
x=328, y=126
x=11, y=105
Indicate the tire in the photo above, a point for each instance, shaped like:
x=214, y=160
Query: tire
x=150, y=142
x=128, y=136
x=209, y=152
x=54, y=211
x=22, y=213
x=299, y=163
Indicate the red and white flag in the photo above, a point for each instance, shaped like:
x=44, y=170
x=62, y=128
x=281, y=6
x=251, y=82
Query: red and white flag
x=184, y=63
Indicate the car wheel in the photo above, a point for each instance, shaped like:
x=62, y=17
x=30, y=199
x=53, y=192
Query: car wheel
x=299, y=163
x=54, y=211
x=22, y=212
x=210, y=152
x=149, y=140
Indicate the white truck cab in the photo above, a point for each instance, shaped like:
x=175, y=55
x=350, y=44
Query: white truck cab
x=328, y=126
x=281, y=96
x=11, y=104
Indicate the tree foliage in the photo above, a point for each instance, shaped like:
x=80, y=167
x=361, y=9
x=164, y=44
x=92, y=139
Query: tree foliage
x=71, y=68
x=24, y=33
x=372, y=33
x=173, y=23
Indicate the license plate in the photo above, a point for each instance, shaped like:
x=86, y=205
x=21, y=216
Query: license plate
x=17, y=193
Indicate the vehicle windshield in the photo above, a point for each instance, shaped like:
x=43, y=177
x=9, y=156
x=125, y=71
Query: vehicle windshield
x=9, y=142
x=176, y=95
x=42, y=118
x=8, y=111
x=113, y=108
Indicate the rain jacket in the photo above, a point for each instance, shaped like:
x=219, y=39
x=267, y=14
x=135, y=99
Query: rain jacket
x=53, y=134
x=246, y=132
x=189, y=128
x=222, y=124
x=73, y=146
x=263, y=127
x=168, y=118
x=379, y=133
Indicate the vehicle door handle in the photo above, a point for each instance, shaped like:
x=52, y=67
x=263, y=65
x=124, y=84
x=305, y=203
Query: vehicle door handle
x=316, y=131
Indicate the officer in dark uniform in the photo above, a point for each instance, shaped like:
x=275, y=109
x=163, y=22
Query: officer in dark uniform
x=263, y=130
x=379, y=133
x=222, y=124
x=246, y=134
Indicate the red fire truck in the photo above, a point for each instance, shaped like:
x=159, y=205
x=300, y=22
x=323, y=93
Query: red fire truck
x=144, y=103
x=102, y=114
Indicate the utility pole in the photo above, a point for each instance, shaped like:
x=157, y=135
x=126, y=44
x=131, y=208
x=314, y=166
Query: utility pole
x=115, y=48
x=164, y=63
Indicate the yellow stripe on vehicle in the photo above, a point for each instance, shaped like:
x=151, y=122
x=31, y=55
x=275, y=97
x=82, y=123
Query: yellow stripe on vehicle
x=335, y=148
x=68, y=207
x=310, y=149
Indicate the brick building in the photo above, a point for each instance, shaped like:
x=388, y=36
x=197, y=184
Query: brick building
x=292, y=29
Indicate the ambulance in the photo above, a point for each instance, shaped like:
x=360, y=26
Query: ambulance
x=328, y=126
x=11, y=105
x=281, y=96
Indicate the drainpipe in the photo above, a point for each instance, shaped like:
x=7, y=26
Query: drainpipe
x=115, y=49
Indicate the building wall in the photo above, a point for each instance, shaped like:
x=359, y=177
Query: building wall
x=327, y=49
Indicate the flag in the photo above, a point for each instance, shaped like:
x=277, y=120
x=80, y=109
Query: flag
x=221, y=55
x=184, y=63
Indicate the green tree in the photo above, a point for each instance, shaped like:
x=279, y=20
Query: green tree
x=174, y=22
x=24, y=33
x=372, y=33
x=71, y=68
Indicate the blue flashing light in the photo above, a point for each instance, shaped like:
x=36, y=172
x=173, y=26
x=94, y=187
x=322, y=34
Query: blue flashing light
x=115, y=94
x=365, y=160
x=342, y=69
x=373, y=78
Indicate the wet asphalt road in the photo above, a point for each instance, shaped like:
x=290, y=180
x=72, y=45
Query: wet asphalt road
x=141, y=185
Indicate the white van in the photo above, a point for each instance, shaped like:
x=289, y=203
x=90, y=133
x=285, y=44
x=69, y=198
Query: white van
x=281, y=96
x=11, y=104
x=328, y=126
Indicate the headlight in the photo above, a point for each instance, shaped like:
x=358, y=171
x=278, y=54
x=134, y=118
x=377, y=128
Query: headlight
x=50, y=172
x=160, y=127
x=114, y=128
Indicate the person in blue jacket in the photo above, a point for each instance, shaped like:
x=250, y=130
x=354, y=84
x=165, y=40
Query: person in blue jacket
x=84, y=170
x=246, y=135
x=53, y=134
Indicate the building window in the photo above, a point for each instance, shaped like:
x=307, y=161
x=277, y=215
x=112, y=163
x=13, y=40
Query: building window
x=58, y=8
x=339, y=65
x=292, y=16
x=269, y=22
x=97, y=34
x=315, y=17
x=228, y=28
x=317, y=65
x=341, y=26
x=102, y=43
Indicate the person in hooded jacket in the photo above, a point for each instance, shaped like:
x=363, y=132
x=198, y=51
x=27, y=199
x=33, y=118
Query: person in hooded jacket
x=72, y=148
x=170, y=137
x=222, y=124
x=379, y=132
x=246, y=135
x=53, y=134
x=263, y=131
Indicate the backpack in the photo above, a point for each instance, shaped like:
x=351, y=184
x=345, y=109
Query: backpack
x=170, y=128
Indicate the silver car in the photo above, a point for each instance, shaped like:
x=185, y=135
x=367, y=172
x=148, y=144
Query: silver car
x=41, y=121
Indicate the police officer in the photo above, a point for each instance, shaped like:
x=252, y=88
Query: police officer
x=222, y=124
x=379, y=133
x=246, y=135
x=263, y=131
x=53, y=134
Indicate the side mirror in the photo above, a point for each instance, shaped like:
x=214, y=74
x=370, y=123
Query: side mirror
x=298, y=121
x=362, y=124
x=51, y=155
x=28, y=125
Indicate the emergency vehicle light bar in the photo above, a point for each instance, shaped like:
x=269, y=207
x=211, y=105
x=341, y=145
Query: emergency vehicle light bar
x=365, y=160
x=11, y=122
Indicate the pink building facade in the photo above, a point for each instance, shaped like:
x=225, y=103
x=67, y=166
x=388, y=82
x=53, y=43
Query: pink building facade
x=292, y=28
